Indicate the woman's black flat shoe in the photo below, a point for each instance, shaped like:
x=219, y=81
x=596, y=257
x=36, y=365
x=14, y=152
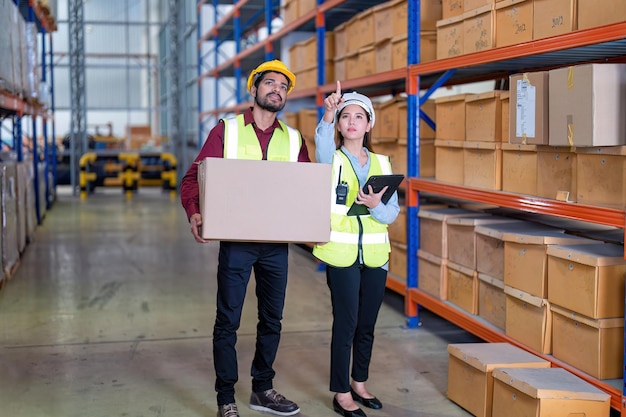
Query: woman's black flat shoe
x=373, y=403
x=345, y=413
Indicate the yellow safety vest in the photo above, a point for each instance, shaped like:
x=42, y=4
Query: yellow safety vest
x=351, y=235
x=241, y=142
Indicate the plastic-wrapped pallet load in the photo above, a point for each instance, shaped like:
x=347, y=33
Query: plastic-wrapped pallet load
x=10, y=250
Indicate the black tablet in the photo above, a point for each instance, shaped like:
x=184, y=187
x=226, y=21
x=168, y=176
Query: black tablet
x=378, y=182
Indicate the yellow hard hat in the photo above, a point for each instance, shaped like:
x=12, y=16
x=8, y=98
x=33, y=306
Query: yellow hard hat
x=274, y=66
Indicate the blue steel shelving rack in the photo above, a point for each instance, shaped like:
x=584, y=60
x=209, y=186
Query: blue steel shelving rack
x=603, y=44
x=16, y=107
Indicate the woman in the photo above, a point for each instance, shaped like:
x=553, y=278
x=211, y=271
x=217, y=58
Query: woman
x=357, y=254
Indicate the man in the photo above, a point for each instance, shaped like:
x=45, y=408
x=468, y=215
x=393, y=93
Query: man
x=256, y=134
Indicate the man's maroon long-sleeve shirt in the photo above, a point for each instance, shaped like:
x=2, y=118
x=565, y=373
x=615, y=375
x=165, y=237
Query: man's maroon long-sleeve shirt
x=214, y=148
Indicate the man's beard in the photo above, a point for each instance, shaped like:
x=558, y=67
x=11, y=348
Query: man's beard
x=265, y=104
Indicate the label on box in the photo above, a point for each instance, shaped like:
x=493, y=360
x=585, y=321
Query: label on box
x=526, y=109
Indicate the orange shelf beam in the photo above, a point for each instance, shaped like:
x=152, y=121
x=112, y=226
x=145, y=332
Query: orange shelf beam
x=570, y=40
x=599, y=215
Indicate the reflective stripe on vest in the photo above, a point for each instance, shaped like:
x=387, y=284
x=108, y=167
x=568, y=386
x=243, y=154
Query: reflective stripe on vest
x=349, y=234
x=241, y=142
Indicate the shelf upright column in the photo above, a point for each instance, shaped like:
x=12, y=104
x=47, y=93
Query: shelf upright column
x=320, y=28
x=53, y=151
x=413, y=153
x=44, y=121
x=269, y=11
x=237, y=64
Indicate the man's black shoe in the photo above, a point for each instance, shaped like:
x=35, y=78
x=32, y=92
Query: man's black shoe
x=271, y=401
x=373, y=403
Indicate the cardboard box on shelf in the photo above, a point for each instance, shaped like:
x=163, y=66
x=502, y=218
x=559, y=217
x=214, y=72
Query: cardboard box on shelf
x=528, y=319
x=519, y=168
x=305, y=6
x=479, y=29
x=462, y=287
x=554, y=17
x=450, y=37
x=546, y=393
x=461, y=236
x=504, y=103
x=307, y=119
x=340, y=68
x=397, y=229
x=586, y=105
x=383, y=55
x=491, y=300
x=601, y=176
x=397, y=260
x=290, y=11
x=469, y=5
x=431, y=277
x=587, y=279
x=514, y=20
x=595, y=346
x=253, y=205
x=526, y=257
x=470, y=372
x=384, y=14
x=482, y=164
x=449, y=161
x=450, y=114
x=528, y=112
x=490, y=245
x=341, y=40
x=556, y=172
x=590, y=15
x=433, y=228
x=451, y=8
x=483, y=117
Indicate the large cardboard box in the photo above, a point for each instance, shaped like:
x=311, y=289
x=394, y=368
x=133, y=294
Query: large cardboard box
x=483, y=117
x=450, y=37
x=590, y=15
x=449, y=161
x=514, y=20
x=556, y=172
x=526, y=258
x=482, y=165
x=601, y=176
x=528, y=112
x=546, y=393
x=554, y=17
x=519, y=168
x=479, y=29
x=341, y=40
x=450, y=114
x=587, y=279
x=587, y=104
x=595, y=346
x=528, y=319
x=470, y=372
x=269, y=201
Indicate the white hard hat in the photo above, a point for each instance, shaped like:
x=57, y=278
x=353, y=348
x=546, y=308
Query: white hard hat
x=360, y=100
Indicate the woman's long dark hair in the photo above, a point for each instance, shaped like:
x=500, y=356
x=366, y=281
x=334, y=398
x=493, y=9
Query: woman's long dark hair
x=367, y=138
